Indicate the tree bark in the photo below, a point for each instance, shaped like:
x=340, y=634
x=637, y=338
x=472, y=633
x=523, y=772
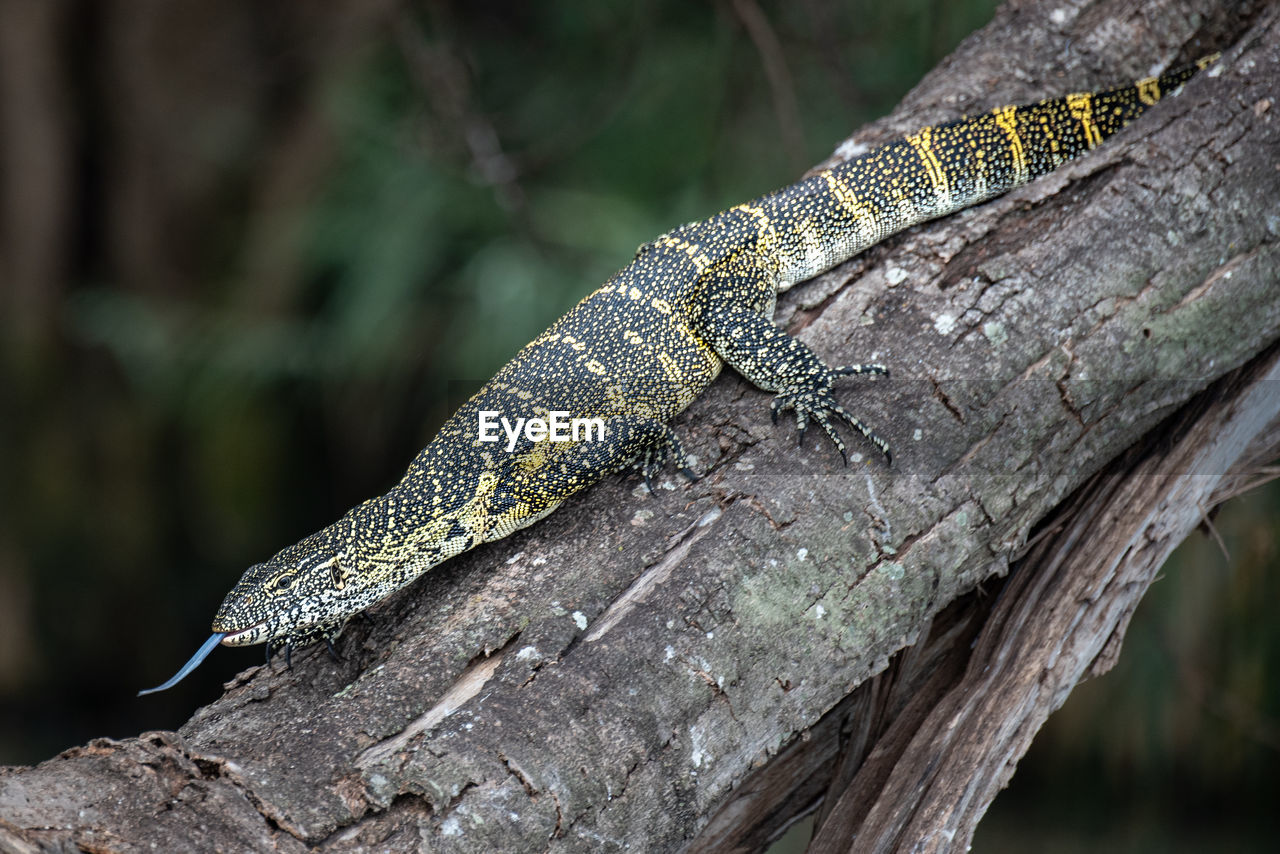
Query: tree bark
x=1081, y=370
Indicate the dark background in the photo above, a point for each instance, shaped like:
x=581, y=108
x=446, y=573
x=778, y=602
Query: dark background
x=252, y=253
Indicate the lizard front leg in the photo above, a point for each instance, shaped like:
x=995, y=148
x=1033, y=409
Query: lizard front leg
x=660, y=445
x=637, y=443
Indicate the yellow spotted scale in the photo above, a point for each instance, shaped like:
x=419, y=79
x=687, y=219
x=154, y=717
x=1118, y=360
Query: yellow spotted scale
x=639, y=350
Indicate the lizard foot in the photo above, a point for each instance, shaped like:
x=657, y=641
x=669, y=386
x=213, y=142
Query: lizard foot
x=327, y=632
x=818, y=403
x=665, y=446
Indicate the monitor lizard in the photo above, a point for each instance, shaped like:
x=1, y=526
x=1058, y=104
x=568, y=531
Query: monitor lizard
x=638, y=350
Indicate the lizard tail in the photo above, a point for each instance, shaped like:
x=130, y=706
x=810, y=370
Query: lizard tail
x=1058, y=129
x=943, y=169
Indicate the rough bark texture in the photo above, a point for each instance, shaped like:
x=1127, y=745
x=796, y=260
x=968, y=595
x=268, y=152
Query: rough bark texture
x=683, y=670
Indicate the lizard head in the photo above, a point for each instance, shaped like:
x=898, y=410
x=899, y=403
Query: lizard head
x=293, y=601
x=309, y=590
x=297, y=596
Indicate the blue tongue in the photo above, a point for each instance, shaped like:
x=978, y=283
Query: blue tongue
x=201, y=654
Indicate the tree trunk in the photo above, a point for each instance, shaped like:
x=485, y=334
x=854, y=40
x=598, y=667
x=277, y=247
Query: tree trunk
x=1081, y=370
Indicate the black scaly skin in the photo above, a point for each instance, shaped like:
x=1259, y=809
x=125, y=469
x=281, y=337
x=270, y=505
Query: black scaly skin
x=642, y=347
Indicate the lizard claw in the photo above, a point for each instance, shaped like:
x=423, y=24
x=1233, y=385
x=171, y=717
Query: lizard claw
x=821, y=406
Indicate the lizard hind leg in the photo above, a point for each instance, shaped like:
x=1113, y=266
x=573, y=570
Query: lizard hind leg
x=823, y=408
x=775, y=361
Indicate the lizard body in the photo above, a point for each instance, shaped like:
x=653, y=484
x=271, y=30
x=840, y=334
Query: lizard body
x=641, y=348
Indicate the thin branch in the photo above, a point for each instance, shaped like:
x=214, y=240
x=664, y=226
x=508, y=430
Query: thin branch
x=781, y=88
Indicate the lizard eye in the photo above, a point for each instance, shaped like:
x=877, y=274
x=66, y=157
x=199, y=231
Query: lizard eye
x=284, y=582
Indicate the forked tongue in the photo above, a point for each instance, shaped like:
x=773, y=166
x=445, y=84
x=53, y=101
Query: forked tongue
x=201, y=654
